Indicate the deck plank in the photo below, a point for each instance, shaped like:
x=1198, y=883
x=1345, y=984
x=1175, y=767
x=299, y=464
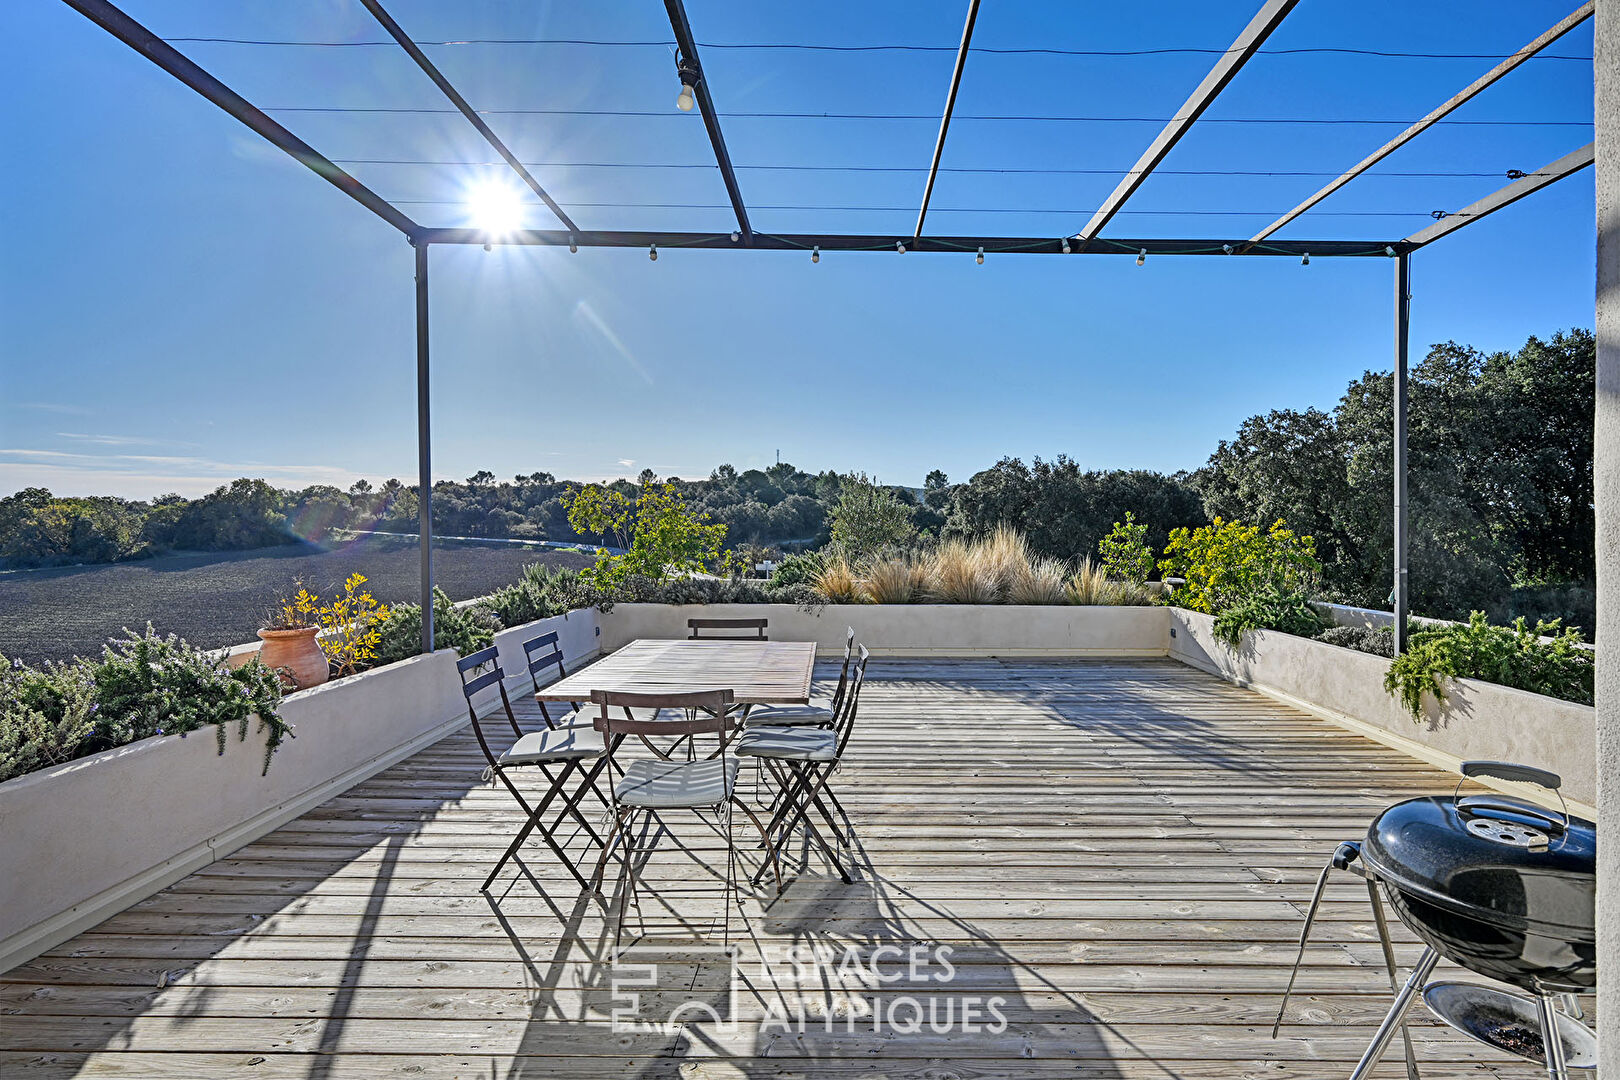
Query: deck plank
x=1119, y=850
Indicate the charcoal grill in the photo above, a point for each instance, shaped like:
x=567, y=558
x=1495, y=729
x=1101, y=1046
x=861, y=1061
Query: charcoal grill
x=1497, y=885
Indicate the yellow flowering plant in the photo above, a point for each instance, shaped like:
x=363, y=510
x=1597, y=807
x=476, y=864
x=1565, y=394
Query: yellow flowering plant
x=1227, y=561
x=300, y=611
x=351, y=627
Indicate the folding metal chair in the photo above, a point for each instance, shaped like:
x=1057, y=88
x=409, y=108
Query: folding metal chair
x=550, y=656
x=757, y=625
x=819, y=711
x=567, y=749
x=658, y=785
x=802, y=759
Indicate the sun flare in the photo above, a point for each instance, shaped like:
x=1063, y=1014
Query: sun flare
x=494, y=207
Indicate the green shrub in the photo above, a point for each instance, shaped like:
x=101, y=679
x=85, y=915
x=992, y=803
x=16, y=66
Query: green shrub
x=1515, y=656
x=795, y=570
x=143, y=685
x=1379, y=642
x=464, y=629
x=46, y=714
x=1125, y=553
x=541, y=592
x=149, y=685
x=1269, y=608
x=1225, y=562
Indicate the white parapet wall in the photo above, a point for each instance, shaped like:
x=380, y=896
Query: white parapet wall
x=1479, y=720
x=84, y=840
x=919, y=629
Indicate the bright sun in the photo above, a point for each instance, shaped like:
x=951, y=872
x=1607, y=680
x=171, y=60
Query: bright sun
x=495, y=208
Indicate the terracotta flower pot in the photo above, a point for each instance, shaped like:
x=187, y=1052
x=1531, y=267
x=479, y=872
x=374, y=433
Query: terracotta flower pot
x=298, y=652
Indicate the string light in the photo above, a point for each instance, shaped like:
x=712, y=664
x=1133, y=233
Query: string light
x=1141, y=257
x=1227, y=248
x=1390, y=252
x=900, y=246
x=488, y=248
x=735, y=236
x=815, y=254
x=1305, y=259
x=652, y=252
x=980, y=257
x=1066, y=247
x=573, y=244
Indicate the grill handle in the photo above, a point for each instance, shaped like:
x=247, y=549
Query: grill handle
x=1512, y=771
x=1508, y=770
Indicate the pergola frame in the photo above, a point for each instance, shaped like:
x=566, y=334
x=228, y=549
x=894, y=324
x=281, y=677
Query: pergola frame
x=112, y=19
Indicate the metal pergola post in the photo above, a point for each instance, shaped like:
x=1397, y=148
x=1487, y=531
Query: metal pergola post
x=424, y=445
x=1403, y=322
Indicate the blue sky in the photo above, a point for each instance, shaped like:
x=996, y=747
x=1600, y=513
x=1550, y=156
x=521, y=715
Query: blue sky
x=181, y=304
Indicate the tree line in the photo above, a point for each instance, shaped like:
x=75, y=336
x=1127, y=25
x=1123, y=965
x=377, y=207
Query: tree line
x=1499, y=476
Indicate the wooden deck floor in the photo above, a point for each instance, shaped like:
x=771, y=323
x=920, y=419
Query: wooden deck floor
x=1119, y=851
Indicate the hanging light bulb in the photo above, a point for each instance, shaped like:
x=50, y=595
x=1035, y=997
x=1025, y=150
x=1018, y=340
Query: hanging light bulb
x=979, y=258
x=1305, y=259
x=689, y=75
x=815, y=254
x=1066, y=247
x=1141, y=257
x=487, y=248
x=735, y=236
x=573, y=244
x=652, y=252
x=1227, y=248
x=900, y=246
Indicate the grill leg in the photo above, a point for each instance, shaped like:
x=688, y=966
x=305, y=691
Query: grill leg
x=1550, y=1038
x=1397, y=1013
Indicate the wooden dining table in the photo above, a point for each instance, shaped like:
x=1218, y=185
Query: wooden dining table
x=756, y=672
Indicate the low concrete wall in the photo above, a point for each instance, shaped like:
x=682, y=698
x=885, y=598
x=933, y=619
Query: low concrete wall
x=579, y=635
x=920, y=629
x=86, y=839
x=1479, y=719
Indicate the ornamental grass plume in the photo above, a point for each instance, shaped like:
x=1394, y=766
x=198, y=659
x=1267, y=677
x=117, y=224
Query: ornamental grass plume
x=898, y=579
x=959, y=575
x=836, y=581
x=1089, y=585
x=1004, y=555
x=1038, y=580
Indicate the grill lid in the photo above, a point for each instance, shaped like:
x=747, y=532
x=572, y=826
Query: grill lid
x=1504, y=861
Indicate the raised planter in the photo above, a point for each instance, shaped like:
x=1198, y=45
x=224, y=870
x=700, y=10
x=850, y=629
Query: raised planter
x=919, y=629
x=1478, y=720
x=86, y=839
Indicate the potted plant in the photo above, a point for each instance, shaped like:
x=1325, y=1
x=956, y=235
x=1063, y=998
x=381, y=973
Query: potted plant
x=290, y=646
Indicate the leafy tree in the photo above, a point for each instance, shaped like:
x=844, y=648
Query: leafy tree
x=869, y=518
x=665, y=537
x=1064, y=510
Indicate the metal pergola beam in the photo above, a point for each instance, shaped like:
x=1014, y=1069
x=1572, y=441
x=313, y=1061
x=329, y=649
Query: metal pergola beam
x=1006, y=245
x=464, y=108
x=711, y=119
x=1558, y=30
x=945, y=118
x=1226, y=68
x=1571, y=163
x=143, y=41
